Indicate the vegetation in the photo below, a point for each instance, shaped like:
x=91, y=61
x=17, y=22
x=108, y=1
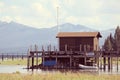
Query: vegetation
x=13, y=62
x=58, y=76
x=16, y=61
x=113, y=43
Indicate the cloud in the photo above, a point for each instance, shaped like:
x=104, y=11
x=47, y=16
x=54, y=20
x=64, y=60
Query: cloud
x=41, y=10
x=6, y=18
x=110, y=6
x=71, y=19
x=42, y=13
x=1, y=4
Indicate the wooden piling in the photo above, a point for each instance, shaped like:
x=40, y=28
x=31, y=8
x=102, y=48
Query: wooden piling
x=50, y=47
x=12, y=57
x=117, y=63
x=36, y=47
x=2, y=57
x=54, y=48
x=101, y=60
x=22, y=57
x=28, y=59
x=43, y=58
x=32, y=61
x=104, y=63
x=70, y=62
x=56, y=62
x=108, y=63
x=98, y=61
x=111, y=63
x=85, y=58
x=85, y=48
x=56, y=57
x=97, y=58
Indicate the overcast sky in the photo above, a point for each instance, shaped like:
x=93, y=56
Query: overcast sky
x=97, y=14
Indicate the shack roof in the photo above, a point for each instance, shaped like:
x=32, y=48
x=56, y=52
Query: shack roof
x=78, y=34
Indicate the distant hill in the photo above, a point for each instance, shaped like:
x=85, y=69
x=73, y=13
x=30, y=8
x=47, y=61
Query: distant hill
x=15, y=37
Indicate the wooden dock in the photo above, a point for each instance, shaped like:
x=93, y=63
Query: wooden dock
x=103, y=59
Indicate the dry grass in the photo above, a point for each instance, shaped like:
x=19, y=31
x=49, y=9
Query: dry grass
x=17, y=61
x=13, y=62
x=58, y=76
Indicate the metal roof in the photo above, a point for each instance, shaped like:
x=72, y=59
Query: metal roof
x=78, y=34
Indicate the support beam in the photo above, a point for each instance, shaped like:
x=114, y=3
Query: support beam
x=32, y=61
x=70, y=62
x=36, y=49
x=66, y=47
x=108, y=63
x=117, y=63
x=80, y=47
x=2, y=57
x=28, y=59
x=43, y=58
x=111, y=62
x=104, y=63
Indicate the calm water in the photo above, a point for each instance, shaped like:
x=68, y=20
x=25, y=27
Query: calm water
x=21, y=69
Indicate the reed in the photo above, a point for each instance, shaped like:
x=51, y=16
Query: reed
x=59, y=76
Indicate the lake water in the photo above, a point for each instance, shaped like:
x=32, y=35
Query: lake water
x=21, y=69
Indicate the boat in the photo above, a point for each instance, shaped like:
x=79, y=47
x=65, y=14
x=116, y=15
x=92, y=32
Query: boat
x=87, y=67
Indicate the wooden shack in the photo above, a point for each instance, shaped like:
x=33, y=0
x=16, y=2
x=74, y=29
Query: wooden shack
x=79, y=41
x=73, y=50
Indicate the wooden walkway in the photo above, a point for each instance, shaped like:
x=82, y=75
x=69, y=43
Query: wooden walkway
x=103, y=59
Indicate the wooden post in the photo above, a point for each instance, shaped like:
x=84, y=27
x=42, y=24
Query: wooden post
x=70, y=62
x=50, y=47
x=7, y=56
x=56, y=60
x=65, y=47
x=117, y=63
x=84, y=48
x=80, y=47
x=32, y=61
x=12, y=57
x=54, y=48
x=104, y=63
x=43, y=56
x=36, y=48
x=28, y=59
x=22, y=57
x=111, y=63
x=2, y=57
x=85, y=60
x=108, y=63
x=100, y=59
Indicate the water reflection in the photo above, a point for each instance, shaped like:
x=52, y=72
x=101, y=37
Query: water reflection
x=21, y=69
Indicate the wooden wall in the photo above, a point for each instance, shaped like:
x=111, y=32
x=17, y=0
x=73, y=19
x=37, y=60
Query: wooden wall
x=86, y=43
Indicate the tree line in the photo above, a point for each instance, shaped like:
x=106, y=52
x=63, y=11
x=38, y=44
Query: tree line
x=112, y=42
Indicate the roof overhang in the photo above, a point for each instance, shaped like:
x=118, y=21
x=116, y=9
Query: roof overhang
x=78, y=34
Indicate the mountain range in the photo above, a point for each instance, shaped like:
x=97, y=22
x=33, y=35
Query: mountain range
x=17, y=38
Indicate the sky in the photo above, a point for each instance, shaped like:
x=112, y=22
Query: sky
x=97, y=14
